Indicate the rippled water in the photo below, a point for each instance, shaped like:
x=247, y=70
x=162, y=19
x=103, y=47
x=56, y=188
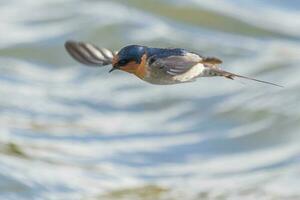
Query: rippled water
x=71, y=132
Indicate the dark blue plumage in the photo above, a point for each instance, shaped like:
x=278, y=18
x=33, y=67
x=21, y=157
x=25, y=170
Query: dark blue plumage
x=162, y=53
x=132, y=53
x=158, y=53
x=135, y=53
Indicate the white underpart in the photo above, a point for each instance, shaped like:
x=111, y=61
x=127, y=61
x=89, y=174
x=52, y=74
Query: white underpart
x=196, y=71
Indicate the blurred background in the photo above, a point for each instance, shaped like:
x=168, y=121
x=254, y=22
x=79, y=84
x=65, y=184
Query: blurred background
x=72, y=132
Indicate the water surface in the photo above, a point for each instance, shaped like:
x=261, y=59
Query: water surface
x=71, y=132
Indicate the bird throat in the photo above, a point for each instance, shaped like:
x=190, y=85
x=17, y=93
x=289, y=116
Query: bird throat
x=140, y=70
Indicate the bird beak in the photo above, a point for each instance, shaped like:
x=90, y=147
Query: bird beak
x=114, y=64
x=112, y=69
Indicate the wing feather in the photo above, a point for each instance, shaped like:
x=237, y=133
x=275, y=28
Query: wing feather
x=176, y=65
x=89, y=54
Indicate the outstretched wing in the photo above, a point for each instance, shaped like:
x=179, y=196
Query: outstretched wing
x=89, y=54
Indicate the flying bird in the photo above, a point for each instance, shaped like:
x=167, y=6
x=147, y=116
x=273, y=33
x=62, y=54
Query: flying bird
x=161, y=66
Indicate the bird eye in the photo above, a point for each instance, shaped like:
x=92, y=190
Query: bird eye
x=123, y=62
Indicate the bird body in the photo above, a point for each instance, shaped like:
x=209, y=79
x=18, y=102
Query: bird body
x=171, y=66
x=160, y=66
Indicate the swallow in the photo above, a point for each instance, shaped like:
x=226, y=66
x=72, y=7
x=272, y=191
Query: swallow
x=162, y=66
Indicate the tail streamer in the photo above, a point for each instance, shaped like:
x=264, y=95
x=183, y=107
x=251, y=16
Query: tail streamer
x=229, y=75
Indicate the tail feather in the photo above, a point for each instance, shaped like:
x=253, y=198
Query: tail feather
x=229, y=75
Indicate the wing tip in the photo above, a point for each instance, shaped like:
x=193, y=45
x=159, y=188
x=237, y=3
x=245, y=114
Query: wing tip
x=88, y=54
x=69, y=43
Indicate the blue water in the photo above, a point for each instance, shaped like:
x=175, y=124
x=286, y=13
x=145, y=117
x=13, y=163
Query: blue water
x=71, y=132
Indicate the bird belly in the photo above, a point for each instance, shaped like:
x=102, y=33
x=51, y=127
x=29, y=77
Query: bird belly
x=160, y=80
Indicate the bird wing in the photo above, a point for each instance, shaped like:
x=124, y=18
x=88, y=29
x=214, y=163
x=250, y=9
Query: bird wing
x=89, y=54
x=175, y=65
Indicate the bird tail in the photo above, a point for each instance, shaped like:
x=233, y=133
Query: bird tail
x=229, y=75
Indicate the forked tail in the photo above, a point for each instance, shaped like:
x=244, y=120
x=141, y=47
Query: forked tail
x=219, y=72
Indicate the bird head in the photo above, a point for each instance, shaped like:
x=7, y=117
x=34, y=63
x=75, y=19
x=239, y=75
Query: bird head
x=129, y=58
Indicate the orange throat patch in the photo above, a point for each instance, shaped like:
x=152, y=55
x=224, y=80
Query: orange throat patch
x=140, y=70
